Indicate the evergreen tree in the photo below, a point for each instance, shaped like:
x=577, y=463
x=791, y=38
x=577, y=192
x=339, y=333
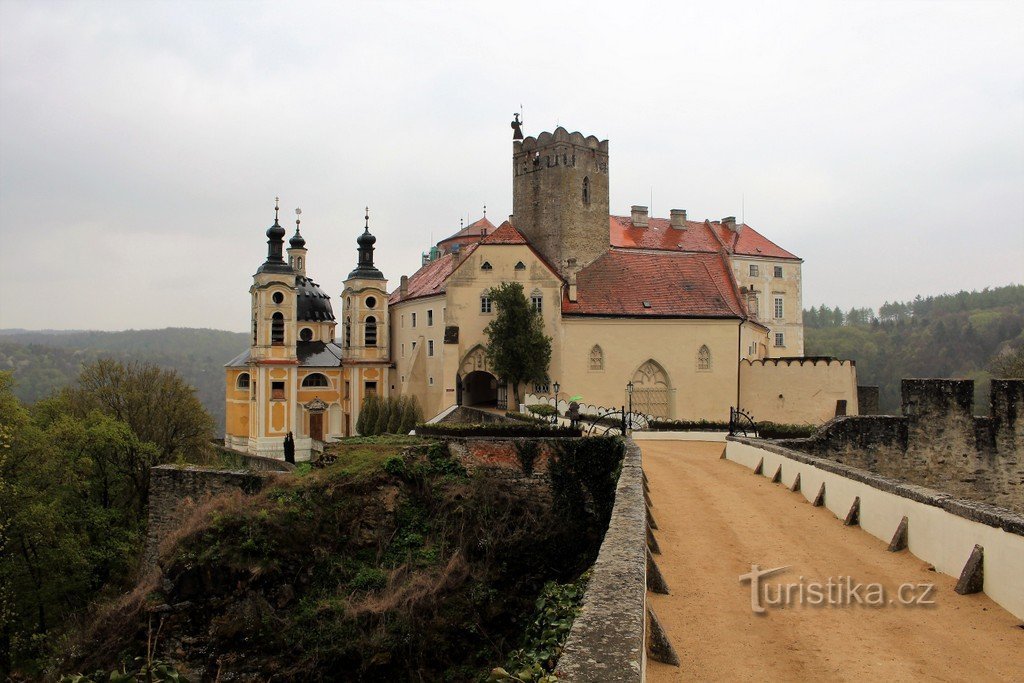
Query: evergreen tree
x=368, y=413
x=411, y=415
x=397, y=410
x=517, y=347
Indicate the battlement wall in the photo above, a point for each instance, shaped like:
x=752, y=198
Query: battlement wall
x=808, y=390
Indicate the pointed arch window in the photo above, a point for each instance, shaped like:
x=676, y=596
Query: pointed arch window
x=370, y=333
x=596, y=359
x=487, y=266
x=520, y=266
x=586, y=190
x=704, y=359
x=277, y=329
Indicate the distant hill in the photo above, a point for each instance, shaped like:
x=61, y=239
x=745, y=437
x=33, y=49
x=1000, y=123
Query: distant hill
x=953, y=335
x=47, y=360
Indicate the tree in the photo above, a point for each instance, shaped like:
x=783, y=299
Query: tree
x=517, y=348
x=368, y=415
x=1009, y=365
x=395, y=419
x=411, y=415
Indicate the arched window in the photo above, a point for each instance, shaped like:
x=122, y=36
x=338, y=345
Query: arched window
x=486, y=266
x=704, y=358
x=300, y=263
x=255, y=329
x=596, y=358
x=243, y=381
x=348, y=332
x=586, y=190
x=315, y=380
x=277, y=330
x=370, y=335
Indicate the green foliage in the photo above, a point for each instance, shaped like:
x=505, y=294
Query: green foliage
x=395, y=415
x=387, y=415
x=366, y=424
x=411, y=415
x=584, y=473
x=542, y=409
x=527, y=452
x=688, y=425
x=494, y=429
x=517, y=347
x=956, y=335
x=774, y=430
x=522, y=417
x=555, y=610
x=368, y=579
x=1008, y=365
x=45, y=362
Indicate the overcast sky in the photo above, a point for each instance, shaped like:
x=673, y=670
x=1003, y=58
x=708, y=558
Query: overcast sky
x=142, y=143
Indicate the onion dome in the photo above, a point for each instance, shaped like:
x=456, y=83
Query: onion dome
x=314, y=304
x=275, y=262
x=365, y=268
x=297, y=241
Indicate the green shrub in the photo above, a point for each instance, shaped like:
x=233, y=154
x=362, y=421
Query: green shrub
x=688, y=425
x=521, y=417
x=495, y=429
x=772, y=430
x=368, y=579
x=542, y=409
x=367, y=421
x=411, y=415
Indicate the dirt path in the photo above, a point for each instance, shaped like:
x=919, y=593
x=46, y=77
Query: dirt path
x=717, y=518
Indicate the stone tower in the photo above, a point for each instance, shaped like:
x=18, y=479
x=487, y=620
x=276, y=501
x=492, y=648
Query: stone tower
x=560, y=197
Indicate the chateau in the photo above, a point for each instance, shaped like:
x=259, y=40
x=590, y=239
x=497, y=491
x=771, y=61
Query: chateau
x=699, y=316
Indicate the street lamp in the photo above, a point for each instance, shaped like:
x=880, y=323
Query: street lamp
x=629, y=392
x=556, y=388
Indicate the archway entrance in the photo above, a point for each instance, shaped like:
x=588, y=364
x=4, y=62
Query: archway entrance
x=651, y=390
x=480, y=388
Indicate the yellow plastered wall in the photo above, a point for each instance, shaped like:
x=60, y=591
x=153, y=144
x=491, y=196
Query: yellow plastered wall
x=415, y=366
x=237, y=404
x=627, y=344
x=789, y=287
x=797, y=391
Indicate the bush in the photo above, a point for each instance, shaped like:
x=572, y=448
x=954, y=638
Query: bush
x=387, y=415
x=688, y=425
x=520, y=417
x=772, y=430
x=495, y=429
x=542, y=409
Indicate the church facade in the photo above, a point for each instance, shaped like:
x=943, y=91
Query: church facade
x=684, y=318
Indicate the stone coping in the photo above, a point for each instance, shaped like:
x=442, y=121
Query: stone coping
x=975, y=511
x=606, y=642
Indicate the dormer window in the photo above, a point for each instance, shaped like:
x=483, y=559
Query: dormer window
x=487, y=266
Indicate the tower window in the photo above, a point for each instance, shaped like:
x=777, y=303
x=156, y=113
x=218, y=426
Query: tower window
x=348, y=332
x=315, y=379
x=278, y=298
x=255, y=330
x=277, y=391
x=300, y=263
x=430, y=347
x=414, y=320
x=485, y=303
x=306, y=334
x=243, y=381
x=487, y=266
x=371, y=302
x=370, y=334
x=277, y=330
x=430, y=317
x=586, y=190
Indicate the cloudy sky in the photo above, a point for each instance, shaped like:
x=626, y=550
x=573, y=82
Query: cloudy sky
x=142, y=143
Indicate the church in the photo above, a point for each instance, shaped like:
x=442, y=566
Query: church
x=684, y=318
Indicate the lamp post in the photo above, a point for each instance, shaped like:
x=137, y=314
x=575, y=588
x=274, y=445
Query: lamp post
x=556, y=387
x=629, y=392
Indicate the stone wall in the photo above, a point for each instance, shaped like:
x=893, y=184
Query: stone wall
x=175, y=491
x=938, y=442
x=467, y=415
x=867, y=400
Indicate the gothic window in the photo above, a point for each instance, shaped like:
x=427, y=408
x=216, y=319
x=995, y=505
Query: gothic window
x=315, y=379
x=487, y=266
x=596, y=358
x=348, y=332
x=586, y=190
x=704, y=358
x=370, y=334
x=243, y=381
x=277, y=330
x=520, y=266
x=306, y=334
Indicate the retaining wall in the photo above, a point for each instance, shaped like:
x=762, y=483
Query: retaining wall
x=942, y=530
x=607, y=640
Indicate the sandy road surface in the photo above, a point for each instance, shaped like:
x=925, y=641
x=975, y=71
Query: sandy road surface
x=716, y=518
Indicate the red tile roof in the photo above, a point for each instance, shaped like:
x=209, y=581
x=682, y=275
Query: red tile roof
x=471, y=232
x=698, y=236
x=431, y=278
x=674, y=284
x=505, y=234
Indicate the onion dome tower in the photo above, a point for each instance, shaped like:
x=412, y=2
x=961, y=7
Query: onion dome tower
x=366, y=304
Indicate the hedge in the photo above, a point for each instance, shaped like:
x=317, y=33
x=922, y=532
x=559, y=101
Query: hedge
x=531, y=419
x=765, y=430
x=510, y=430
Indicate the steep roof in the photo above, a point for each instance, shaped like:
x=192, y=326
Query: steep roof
x=431, y=277
x=478, y=228
x=505, y=234
x=698, y=236
x=647, y=283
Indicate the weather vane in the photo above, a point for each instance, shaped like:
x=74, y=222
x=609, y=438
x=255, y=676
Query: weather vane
x=367, y=218
x=277, y=202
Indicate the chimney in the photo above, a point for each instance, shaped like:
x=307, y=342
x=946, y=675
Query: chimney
x=730, y=222
x=403, y=287
x=639, y=216
x=677, y=219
